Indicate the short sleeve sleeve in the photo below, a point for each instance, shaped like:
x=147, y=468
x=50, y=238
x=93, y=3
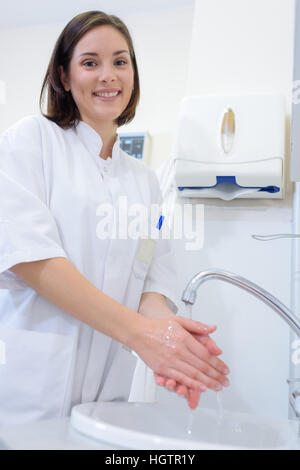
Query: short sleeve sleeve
x=162, y=274
x=28, y=231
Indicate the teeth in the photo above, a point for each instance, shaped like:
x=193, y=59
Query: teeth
x=107, y=95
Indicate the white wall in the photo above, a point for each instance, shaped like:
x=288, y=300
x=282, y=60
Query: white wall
x=241, y=47
x=24, y=53
x=162, y=45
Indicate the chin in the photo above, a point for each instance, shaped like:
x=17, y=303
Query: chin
x=109, y=113
x=105, y=117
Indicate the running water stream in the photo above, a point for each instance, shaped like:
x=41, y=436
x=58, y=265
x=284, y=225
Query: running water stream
x=191, y=414
x=219, y=394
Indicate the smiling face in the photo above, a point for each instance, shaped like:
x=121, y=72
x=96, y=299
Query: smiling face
x=101, y=76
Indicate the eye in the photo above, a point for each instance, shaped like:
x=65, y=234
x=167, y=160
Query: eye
x=88, y=62
x=121, y=62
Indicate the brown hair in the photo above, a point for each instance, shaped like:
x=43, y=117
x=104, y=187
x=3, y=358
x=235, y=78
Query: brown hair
x=61, y=107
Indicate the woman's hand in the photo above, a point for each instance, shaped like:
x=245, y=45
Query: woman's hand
x=192, y=396
x=171, y=347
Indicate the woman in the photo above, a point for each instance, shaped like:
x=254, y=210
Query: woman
x=79, y=298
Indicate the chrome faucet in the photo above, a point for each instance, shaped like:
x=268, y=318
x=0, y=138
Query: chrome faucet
x=295, y=401
x=190, y=293
x=295, y=398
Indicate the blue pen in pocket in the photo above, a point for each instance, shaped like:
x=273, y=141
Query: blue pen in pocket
x=147, y=245
x=160, y=222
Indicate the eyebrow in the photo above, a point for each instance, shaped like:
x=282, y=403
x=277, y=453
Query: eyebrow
x=95, y=53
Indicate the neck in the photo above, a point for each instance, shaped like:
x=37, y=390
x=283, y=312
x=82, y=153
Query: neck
x=108, y=133
x=107, y=145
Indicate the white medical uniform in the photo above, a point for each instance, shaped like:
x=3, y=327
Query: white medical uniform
x=53, y=184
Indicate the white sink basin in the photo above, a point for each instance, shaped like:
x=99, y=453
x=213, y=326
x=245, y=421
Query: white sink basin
x=160, y=426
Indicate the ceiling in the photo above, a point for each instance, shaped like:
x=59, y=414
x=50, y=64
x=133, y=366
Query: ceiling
x=20, y=13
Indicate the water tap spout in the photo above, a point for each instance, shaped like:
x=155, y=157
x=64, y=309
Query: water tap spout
x=190, y=293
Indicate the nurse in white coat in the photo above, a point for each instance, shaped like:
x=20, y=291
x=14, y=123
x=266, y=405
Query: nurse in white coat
x=77, y=293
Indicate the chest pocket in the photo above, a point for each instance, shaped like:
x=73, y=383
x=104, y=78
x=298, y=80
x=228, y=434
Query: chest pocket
x=140, y=268
x=144, y=257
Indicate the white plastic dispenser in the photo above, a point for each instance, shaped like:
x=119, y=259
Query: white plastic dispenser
x=231, y=147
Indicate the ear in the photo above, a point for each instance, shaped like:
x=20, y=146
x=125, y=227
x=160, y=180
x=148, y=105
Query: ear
x=63, y=78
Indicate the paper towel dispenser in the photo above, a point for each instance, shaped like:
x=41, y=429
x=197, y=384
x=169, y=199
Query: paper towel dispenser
x=231, y=146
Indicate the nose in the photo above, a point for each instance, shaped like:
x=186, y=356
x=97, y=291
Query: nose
x=107, y=73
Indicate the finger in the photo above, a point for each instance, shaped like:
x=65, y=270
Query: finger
x=193, y=399
x=209, y=375
x=201, y=375
x=192, y=396
x=170, y=385
x=194, y=326
x=181, y=390
x=187, y=380
x=160, y=380
x=209, y=344
x=219, y=365
x=197, y=349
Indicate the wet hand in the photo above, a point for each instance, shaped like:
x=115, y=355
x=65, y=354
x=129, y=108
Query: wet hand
x=192, y=396
x=172, y=349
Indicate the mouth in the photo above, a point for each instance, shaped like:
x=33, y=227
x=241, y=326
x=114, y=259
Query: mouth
x=107, y=95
